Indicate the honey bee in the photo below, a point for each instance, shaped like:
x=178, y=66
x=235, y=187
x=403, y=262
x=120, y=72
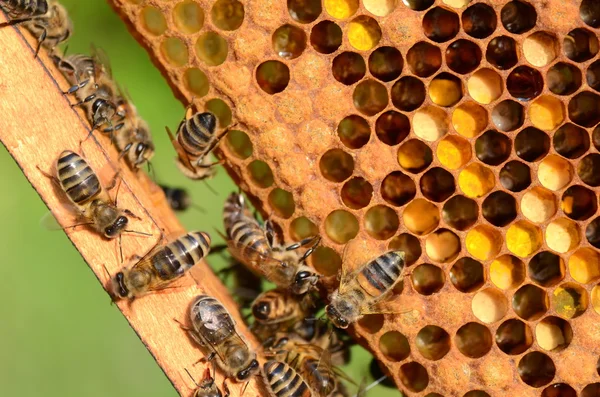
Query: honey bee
x=207, y=386
x=363, y=288
x=178, y=198
x=214, y=328
x=161, y=266
x=283, y=381
x=278, y=306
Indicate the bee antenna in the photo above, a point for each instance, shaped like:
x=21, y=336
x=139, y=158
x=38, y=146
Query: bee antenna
x=244, y=389
x=120, y=247
x=362, y=390
x=198, y=208
x=191, y=377
x=138, y=232
x=210, y=187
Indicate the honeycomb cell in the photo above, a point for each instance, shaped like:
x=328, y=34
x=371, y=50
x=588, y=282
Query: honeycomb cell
x=398, y=189
x=211, y=49
x=220, y=109
x=445, y=89
x=427, y=279
x=372, y=323
x=469, y=119
x=596, y=137
x=501, y=52
x=483, y=242
x=467, y=275
x=282, y=203
x=514, y=337
x=493, y=147
x=591, y=390
x=414, y=376
x=524, y=83
x=386, y=63
x=392, y=127
x=508, y=115
x=175, y=51
x=442, y=246
x=553, y=334
x=341, y=226
x=463, y=56
x=380, y=8
x=460, y=212
x=408, y=93
x=188, y=17
x=546, y=112
x=272, y=76
x=532, y=144
x=326, y=261
x=433, y=342
x=475, y=180
x=409, y=244
x=546, y=269
x=370, y=97
x=153, y=20
x=554, y=172
x=538, y=204
x=336, y=165
x=440, y=24
x=260, y=173
x=420, y=217
x=592, y=233
x=589, y=12
x=424, y=59
x=499, y=208
x=437, y=184
x=227, y=14
x=394, y=346
x=414, y=156
x=364, y=33
x=289, y=41
x=326, y=37
x=489, y=305
x=559, y=390
x=530, y=302
x=523, y=238
x=562, y=235
x=476, y=393
x=348, y=67
x=584, y=265
x=485, y=86
x=584, y=109
x=474, y=340
x=540, y=49
x=239, y=143
x=579, y=203
x=580, y=45
x=569, y=300
x=563, y=78
x=518, y=16
x=507, y=272
x=381, y=222
x=592, y=75
x=341, y=9
x=354, y=131
x=430, y=123
x=515, y=176
x=596, y=299
x=453, y=152
x=418, y=5
x=479, y=21
x=304, y=11
x=302, y=227
x=196, y=82
x=536, y=369
x=357, y=193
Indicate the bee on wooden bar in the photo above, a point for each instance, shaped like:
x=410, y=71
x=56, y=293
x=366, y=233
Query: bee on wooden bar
x=207, y=386
x=278, y=306
x=283, y=381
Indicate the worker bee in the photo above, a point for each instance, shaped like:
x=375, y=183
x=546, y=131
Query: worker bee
x=177, y=197
x=283, y=381
x=278, y=306
x=207, y=386
x=161, y=266
x=214, y=328
x=363, y=288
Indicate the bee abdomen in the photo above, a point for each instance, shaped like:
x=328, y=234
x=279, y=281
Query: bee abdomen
x=284, y=381
x=383, y=271
x=248, y=235
x=77, y=178
x=180, y=255
x=197, y=133
x=25, y=8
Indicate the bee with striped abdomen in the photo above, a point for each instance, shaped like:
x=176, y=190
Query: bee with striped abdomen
x=278, y=306
x=177, y=197
x=283, y=381
x=207, y=386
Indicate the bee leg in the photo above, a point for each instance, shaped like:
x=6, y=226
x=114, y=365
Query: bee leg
x=41, y=40
x=304, y=242
x=131, y=214
x=76, y=87
x=270, y=232
x=226, y=388
x=13, y=22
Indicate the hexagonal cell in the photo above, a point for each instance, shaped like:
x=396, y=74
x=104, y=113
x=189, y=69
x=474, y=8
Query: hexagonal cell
x=580, y=45
x=304, y=11
x=381, y=222
x=260, y=173
x=175, y=51
x=427, y=279
x=559, y=390
x=364, y=33
x=493, y=147
x=336, y=165
x=562, y=235
x=532, y=144
x=289, y=41
x=463, y=56
x=479, y=20
x=326, y=37
x=483, y=242
x=584, y=109
x=445, y=90
x=325, y=261
x=385, y=63
x=540, y=49
x=372, y=323
x=354, y=131
x=282, y=203
x=584, y=265
x=227, y=14
x=515, y=176
x=569, y=300
x=153, y=20
x=514, y=337
x=414, y=376
x=592, y=232
x=430, y=123
x=341, y=9
x=392, y=127
x=538, y=204
x=499, y=208
x=394, y=346
x=589, y=12
x=453, y=152
x=437, y=184
x=424, y=59
x=188, y=17
x=408, y=93
x=555, y=172
x=525, y=83
x=272, y=76
x=489, y=305
x=414, y=156
x=219, y=108
x=508, y=115
x=501, y=52
x=211, y=49
x=420, y=217
x=467, y=275
x=596, y=299
x=591, y=390
x=433, y=342
x=563, y=78
x=418, y=5
x=553, y=334
x=485, y=86
x=507, y=272
x=475, y=180
x=442, y=246
x=530, y=302
x=546, y=112
x=592, y=75
x=239, y=143
x=469, y=119
x=398, y=189
x=341, y=226
x=409, y=244
x=370, y=97
x=579, y=203
x=380, y=8
x=546, y=269
x=523, y=238
x=518, y=16
x=474, y=340
x=536, y=369
x=596, y=137
x=348, y=67
x=357, y=193
x=476, y=393
x=302, y=227
x=196, y=82
x=460, y=212
x=440, y=24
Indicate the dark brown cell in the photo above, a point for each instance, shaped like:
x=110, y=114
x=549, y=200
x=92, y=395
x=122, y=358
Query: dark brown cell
x=564, y=78
x=584, y=109
x=414, y=376
x=593, y=75
x=559, y=390
x=474, y=340
x=596, y=137
x=532, y=144
x=589, y=12
x=289, y=41
x=460, y=212
x=398, y=189
x=515, y=176
x=476, y=393
x=433, y=342
x=508, y=115
x=580, y=45
x=348, y=68
x=394, y=346
x=409, y=244
x=530, y=302
x=370, y=97
x=356, y=193
x=336, y=165
x=518, y=16
x=467, y=275
x=418, y=5
x=525, y=83
x=381, y=222
x=408, y=93
x=536, y=369
x=354, y=131
x=440, y=24
x=424, y=59
x=579, y=203
x=326, y=37
x=571, y=141
x=502, y=52
x=591, y=390
x=514, y=337
x=546, y=269
x=427, y=279
x=304, y=11
x=499, y=208
x=437, y=184
x=493, y=147
x=392, y=127
x=589, y=169
x=272, y=76
x=386, y=63
x=479, y=20
x=372, y=323
x=414, y=156
x=463, y=56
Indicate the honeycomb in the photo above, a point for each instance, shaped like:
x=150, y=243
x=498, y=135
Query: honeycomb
x=465, y=133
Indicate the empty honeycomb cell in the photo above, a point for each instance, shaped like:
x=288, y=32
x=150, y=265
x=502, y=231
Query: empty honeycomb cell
x=211, y=48
x=227, y=14
x=260, y=173
x=546, y=112
x=463, y=56
x=493, y=147
x=589, y=12
x=196, y=82
x=380, y=8
x=523, y=238
x=354, y=131
x=530, y=302
x=188, y=17
x=336, y=165
x=433, y=342
x=427, y=279
x=304, y=11
x=536, y=369
x=460, y=212
x=420, y=217
x=485, y=86
x=499, y=208
x=515, y=176
x=474, y=340
x=489, y=305
x=580, y=45
x=175, y=51
x=440, y=24
x=381, y=222
x=591, y=390
x=392, y=127
x=385, y=63
x=524, y=83
x=559, y=390
x=501, y=52
x=424, y=59
x=467, y=275
x=398, y=189
x=408, y=93
x=507, y=272
x=508, y=115
x=540, y=49
x=437, y=184
x=483, y=242
x=418, y=5
x=414, y=376
x=219, y=108
x=239, y=143
x=153, y=20
x=475, y=180
x=596, y=300
x=592, y=233
x=584, y=265
x=414, y=156
x=272, y=76
x=289, y=41
x=562, y=235
x=532, y=144
x=282, y=203
x=326, y=37
x=453, y=152
x=553, y=334
x=445, y=90
x=302, y=227
x=569, y=300
x=341, y=9
x=514, y=337
x=370, y=97
x=479, y=20
x=409, y=244
x=394, y=346
x=326, y=261
x=348, y=67
x=579, y=203
x=584, y=109
x=554, y=172
x=372, y=323
x=356, y=193
x=364, y=33
x=546, y=269
x=341, y=226
x=469, y=119
x=538, y=204
x=592, y=75
x=442, y=246
x=563, y=78
x=430, y=123
x=518, y=16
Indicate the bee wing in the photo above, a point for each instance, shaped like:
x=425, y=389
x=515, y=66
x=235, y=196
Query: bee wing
x=101, y=61
x=49, y=221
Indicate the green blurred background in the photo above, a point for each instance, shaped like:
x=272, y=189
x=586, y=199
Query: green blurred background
x=60, y=336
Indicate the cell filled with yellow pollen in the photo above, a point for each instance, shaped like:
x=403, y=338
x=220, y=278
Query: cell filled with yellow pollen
x=476, y=180
x=554, y=172
x=562, y=235
x=364, y=33
x=523, y=238
x=445, y=90
x=569, y=300
x=507, y=272
x=453, y=152
x=485, y=86
x=341, y=9
x=547, y=112
x=538, y=204
x=469, y=119
x=584, y=265
x=483, y=242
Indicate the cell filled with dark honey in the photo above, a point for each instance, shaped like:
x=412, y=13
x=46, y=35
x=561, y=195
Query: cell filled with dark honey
x=592, y=232
x=579, y=203
x=536, y=369
x=524, y=83
x=408, y=93
x=584, y=109
x=437, y=184
x=392, y=127
x=418, y=5
x=499, y=208
x=492, y=147
x=532, y=144
x=354, y=131
x=467, y=275
x=326, y=37
x=508, y=115
x=385, y=63
x=589, y=169
x=460, y=212
x=530, y=302
x=479, y=20
x=559, y=390
x=289, y=41
x=370, y=97
x=546, y=269
x=589, y=12
x=514, y=337
x=463, y=56
x=356, y=193
x=571, y=141
x=518, y=16
x=564, y=78
x=424, y=59
x=398, y=189
x=272, y=76
x=348, y=67
x=440, y=24
x=427, y=279
x=596, y=137
x=515, y=176
x=304, y=11
x=580, y=45
x=593, y=75
x=502, y=52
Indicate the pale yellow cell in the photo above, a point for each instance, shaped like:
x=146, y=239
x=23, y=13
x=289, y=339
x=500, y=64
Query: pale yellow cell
x=584, y=265
x=476, y=180
x=430, y=123
x=547, y=112
x=523, y=238
x=483, y=242
x=456, y=3
x=154, y=20
x=554, y=172
x=421, y=216
x=341, y=9
x=381, y=8
x=485, y=86
x=507, y=272
x=562, y=235
x=549, y=336
x=444, y=92
x=540, y=49
x=538, y=204
x=364, y=33
x=469, y=119
x=489, y=305
x=442, y=246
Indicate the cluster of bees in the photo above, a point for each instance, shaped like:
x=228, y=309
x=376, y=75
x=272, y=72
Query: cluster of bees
x=302, y=352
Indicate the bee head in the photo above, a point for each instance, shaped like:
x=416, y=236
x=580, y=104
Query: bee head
x=119, y=287
x=113, y=230
x=247, y=372
x=261, y=310
x=143, y=151
x=303, y=281
x=336, y=317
